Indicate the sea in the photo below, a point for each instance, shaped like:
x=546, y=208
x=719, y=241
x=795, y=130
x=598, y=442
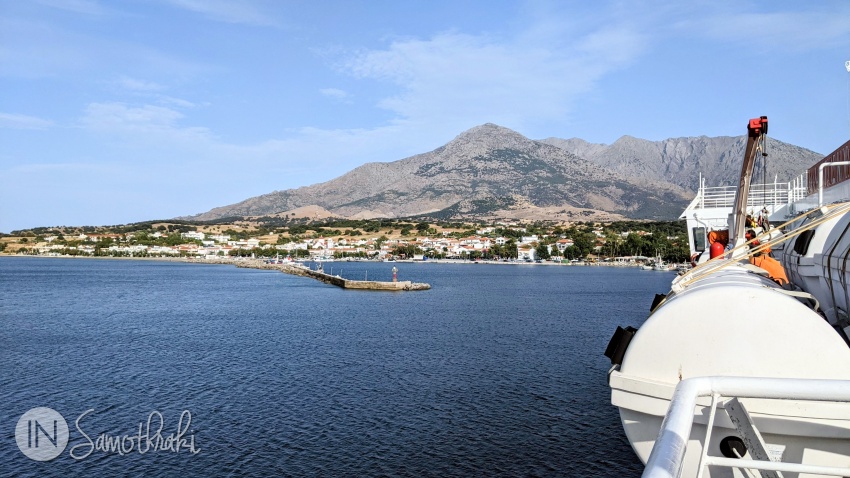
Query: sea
x=166, y=369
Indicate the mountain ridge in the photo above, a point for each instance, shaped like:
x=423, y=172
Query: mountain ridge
x=681, y=160
x=489, y=168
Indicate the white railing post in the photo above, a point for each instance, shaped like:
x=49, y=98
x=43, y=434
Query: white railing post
x=668, y=453
x=701, y=192
x=704, y=455
x=820, y=177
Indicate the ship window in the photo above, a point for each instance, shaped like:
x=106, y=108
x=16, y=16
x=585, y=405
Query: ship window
x=801, y=244
x=699, y=239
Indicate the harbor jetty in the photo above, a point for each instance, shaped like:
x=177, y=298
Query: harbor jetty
x=357, y=284
x=304, y=271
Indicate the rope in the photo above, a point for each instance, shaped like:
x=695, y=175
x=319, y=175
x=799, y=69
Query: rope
x=828, y=267
x=801, y=295
x=722, y=262
x=843, y=279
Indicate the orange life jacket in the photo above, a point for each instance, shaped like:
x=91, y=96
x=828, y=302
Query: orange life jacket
x=772, y=266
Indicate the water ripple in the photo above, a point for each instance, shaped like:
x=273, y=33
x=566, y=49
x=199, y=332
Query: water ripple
x=496, y=371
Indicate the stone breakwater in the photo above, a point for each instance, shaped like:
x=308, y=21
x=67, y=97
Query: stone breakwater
x=300, y=270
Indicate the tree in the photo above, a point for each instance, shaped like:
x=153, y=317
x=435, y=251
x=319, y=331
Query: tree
x=406, y=250
x=174, y=239
x=422, y=227
x=634, y=244
x=542, y=252
x=511, y=249
x=612, y=244
x=379, y=241
x=583, y=243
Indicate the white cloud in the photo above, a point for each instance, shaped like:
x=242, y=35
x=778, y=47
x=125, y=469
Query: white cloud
x=334, y=93
x=110, y=115
x=473, y=79
x=41, y=48
x=134, y=84
x=147, y=119
x=787, y=30
x=179, y=102
x=14, y=121
x=228, y=11
x=151, y=91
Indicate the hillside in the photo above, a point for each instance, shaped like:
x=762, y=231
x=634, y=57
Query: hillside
x=484, y=170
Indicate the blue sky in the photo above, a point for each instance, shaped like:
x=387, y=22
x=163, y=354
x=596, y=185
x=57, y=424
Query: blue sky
x=122, y=111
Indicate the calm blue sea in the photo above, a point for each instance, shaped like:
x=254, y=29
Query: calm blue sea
x=496, y=371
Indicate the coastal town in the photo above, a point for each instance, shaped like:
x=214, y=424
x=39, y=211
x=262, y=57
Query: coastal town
x=362, y=240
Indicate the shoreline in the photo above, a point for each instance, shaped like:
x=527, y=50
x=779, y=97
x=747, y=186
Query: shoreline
x=163, y=259
x=302, y=270
x=236, y=261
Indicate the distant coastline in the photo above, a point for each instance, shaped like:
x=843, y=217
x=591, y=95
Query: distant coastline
x=244, y=262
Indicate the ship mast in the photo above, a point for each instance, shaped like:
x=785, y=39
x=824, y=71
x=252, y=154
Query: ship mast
x=756, y=133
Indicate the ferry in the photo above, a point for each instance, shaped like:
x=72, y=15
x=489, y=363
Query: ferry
x=743, y=367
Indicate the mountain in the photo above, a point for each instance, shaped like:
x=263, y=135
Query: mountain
x=491, y=172
x=680, y=161
x=487, y=171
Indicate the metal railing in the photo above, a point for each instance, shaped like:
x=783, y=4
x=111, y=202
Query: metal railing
x=668, y=454
x=775, y=194
x=820, y=177
x=835, y=175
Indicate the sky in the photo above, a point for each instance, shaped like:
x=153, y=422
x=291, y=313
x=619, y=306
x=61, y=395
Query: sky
x=114, y=112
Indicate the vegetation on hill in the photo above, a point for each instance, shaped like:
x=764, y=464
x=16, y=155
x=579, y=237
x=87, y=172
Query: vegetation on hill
x=623, y=238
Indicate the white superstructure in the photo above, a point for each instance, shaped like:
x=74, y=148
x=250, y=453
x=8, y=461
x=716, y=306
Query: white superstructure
x=711, y=207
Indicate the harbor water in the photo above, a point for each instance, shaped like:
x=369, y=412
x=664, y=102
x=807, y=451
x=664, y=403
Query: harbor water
x=496, y=371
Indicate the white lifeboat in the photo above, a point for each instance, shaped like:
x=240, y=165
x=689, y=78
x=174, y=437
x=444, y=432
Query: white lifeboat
x=735, y=323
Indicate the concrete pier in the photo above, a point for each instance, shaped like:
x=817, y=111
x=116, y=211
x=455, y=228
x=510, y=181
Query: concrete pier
x=361, y=284
x=300, y=270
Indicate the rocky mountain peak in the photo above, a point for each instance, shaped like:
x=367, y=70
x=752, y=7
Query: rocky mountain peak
x=494, y=172
x=482, y=139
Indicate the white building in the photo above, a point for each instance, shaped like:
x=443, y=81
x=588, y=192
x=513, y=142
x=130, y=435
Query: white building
x=563, y=244
x=526, y=253
x=529, y=239
x=193, y=235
